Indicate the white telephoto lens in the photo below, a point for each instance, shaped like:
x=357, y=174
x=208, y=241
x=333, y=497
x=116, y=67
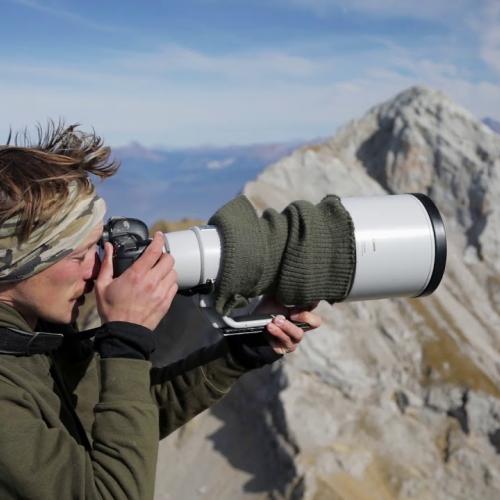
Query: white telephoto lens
x=400, y=246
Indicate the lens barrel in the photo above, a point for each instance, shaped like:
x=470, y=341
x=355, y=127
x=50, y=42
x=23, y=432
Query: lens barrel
x=400, y=246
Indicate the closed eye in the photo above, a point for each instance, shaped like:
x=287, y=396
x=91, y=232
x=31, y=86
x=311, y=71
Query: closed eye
x=81, y=257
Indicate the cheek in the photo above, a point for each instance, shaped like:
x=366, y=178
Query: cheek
x=63, y=277
x=48, y=294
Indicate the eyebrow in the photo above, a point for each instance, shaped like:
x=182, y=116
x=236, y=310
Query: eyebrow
x=84, y=249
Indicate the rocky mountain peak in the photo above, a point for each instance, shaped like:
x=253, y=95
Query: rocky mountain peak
x=418, y=138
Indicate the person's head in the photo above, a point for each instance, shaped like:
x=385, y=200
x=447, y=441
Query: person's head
x=50, y=220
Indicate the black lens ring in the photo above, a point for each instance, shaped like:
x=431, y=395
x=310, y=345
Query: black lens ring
x=440, y=248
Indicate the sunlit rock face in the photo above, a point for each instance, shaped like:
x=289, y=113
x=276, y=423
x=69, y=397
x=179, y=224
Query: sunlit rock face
x=389, y=399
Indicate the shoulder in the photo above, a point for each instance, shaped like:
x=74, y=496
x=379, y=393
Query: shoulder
x=24, y=375
x=12, y=395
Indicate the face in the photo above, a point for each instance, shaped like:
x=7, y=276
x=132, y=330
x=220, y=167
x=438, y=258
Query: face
x=56, y=293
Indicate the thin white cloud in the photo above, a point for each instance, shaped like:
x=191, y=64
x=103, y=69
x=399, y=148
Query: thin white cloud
x=417, y=9
x=57, y=11
x=488, y=28
x=173, y=58
x=483, y=16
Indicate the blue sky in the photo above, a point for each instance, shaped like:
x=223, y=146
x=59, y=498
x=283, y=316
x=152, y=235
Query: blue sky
x=196, y=72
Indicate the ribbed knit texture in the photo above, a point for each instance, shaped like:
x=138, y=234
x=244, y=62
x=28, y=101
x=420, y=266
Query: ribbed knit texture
x=304, y=254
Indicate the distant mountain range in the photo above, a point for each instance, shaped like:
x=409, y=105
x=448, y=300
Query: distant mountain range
x=493, y=124
x=153, y=183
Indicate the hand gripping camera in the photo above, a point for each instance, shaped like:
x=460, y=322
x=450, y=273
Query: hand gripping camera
x=400, y=251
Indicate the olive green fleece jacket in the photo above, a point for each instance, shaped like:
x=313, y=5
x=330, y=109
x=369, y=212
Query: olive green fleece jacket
x=124, y=406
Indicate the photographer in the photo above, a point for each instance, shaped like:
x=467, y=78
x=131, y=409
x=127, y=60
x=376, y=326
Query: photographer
x=82, y=412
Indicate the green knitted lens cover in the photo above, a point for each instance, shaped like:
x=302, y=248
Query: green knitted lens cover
x=302, y=255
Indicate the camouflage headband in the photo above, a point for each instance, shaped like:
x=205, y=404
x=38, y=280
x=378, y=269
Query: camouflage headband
x=51, y=241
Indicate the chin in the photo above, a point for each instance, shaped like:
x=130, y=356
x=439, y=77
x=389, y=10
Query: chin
x=67, y=316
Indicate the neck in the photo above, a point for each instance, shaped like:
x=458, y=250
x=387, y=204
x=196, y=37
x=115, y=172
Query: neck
x=30, y=318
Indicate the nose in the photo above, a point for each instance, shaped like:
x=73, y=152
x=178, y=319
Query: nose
x=96, y=267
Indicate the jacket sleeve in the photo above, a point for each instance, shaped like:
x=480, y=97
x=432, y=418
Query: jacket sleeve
x=184, y=389
x=42, y=462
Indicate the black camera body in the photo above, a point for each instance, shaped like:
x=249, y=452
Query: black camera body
x=129, y=238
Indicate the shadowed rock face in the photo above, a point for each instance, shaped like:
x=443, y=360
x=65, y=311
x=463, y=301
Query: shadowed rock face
x=389, y=399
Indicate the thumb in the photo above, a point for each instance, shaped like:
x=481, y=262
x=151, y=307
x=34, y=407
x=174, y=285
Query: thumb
x=106, y=272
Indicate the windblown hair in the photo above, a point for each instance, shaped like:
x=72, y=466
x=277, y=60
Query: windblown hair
x=35, y=175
